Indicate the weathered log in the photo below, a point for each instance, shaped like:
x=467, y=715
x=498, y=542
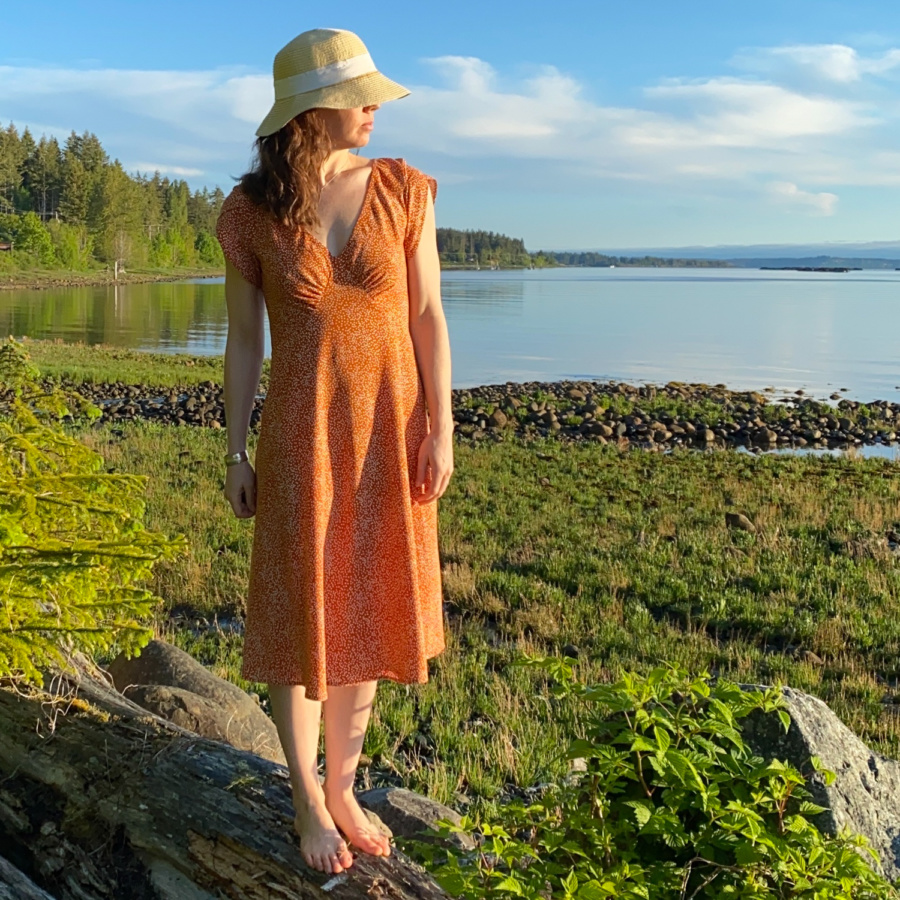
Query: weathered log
x=15, y=885
x=101, y=799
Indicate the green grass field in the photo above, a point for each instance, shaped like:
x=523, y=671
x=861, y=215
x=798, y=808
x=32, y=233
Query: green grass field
x=625, y=556
x=622, y=557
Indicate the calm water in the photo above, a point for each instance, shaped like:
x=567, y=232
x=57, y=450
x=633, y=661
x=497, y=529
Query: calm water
x=744, y=328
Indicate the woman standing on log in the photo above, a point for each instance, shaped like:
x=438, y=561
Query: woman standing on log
x=355, y=442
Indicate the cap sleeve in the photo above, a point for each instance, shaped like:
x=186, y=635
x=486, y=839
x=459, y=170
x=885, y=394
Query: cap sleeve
x=417, y=187
x=235, y=229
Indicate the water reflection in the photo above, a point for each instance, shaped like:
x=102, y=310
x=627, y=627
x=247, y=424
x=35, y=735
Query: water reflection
x=746, y=328
x=167, y=317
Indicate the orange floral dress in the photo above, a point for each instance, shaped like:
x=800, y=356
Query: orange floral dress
x=345, y=582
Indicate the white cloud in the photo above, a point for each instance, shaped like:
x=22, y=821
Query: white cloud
x=832, y=62
x=787, y=193
x=740, y=113
x=753, y=131
x=163, y=169
x=472, y=106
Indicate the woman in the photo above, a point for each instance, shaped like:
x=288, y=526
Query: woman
x=355, y=442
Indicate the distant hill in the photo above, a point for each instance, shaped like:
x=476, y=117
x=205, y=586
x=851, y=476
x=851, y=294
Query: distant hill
x=873, y=253
x=849, y=262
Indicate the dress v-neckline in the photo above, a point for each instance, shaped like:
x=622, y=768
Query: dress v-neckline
x=362, y=210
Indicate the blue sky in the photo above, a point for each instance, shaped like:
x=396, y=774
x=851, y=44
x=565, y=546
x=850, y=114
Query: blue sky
x=573, y=125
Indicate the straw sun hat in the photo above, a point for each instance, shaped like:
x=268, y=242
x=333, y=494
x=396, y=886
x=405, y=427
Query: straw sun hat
x=325, y=67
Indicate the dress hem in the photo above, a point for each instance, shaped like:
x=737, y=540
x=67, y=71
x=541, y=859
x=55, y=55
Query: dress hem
x=380, y=674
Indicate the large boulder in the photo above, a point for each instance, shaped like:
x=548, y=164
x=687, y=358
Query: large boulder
x=865, y=795
x=410, y=815
x=171, y=683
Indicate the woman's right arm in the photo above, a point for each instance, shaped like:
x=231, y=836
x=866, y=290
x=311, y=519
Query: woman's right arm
x=244, y=351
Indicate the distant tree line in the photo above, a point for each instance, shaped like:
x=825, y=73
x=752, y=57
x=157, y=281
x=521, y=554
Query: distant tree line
x=73, y=207
x=487, y=248
x=566, y=258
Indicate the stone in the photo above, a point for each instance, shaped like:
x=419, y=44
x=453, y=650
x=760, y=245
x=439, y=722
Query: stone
x=739, y=521
x=218, y=709
x=865, y=795
x=497, y=419
x=409, y=814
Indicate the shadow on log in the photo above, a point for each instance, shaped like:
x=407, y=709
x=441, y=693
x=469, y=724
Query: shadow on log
x=101, y=799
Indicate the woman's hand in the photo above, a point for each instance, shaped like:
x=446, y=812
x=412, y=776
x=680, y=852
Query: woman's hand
x=240, y=489
x=435, y=453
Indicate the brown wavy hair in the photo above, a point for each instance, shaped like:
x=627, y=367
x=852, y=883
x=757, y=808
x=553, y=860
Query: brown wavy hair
x=285, y=178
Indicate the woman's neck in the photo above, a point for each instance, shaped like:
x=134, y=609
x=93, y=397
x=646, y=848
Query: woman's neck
x=334, y=164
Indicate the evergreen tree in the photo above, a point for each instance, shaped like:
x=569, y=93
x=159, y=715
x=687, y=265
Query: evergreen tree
x=114, y=216
x=75, y=193
x=11, y=161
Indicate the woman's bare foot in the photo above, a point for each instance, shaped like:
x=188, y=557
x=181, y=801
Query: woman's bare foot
x=348, y=815
x=321, y=843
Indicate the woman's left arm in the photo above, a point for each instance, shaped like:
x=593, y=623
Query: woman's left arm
x=431, y=341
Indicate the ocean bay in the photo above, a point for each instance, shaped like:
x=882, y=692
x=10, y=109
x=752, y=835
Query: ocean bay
x=749, y=329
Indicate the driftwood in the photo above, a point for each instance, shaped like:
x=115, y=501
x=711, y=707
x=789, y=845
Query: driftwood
x=15, y=885
x=100, y=799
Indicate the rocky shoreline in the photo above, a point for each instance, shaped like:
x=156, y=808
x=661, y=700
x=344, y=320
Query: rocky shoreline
x=649, y=417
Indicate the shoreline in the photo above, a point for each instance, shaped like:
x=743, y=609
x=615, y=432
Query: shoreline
x=36, y=281
x=45, y=280
x=181, y=389
x=646, y=417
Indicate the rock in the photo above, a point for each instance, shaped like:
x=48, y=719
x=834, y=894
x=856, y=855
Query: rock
x=865, y=795
x=577, y=767
x=204, y=717
x=739, y=521
x=497, y=419
x=221, y=710
x=410, y=815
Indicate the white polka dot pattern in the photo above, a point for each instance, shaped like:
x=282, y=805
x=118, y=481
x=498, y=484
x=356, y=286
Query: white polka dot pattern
x=345, y=581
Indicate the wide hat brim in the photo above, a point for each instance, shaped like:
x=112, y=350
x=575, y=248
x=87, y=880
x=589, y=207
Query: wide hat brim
x=365, y=90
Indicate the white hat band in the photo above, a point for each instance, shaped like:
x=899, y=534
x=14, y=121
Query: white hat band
x=333, y=73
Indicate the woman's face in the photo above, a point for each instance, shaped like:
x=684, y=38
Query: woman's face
x=349, y=128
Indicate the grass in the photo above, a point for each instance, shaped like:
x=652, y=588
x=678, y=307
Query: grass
x=624, y=558
x=107, y=363
x=17, y=277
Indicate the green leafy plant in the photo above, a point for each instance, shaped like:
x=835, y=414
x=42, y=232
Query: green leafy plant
x=671, y=804
x=73, y=548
